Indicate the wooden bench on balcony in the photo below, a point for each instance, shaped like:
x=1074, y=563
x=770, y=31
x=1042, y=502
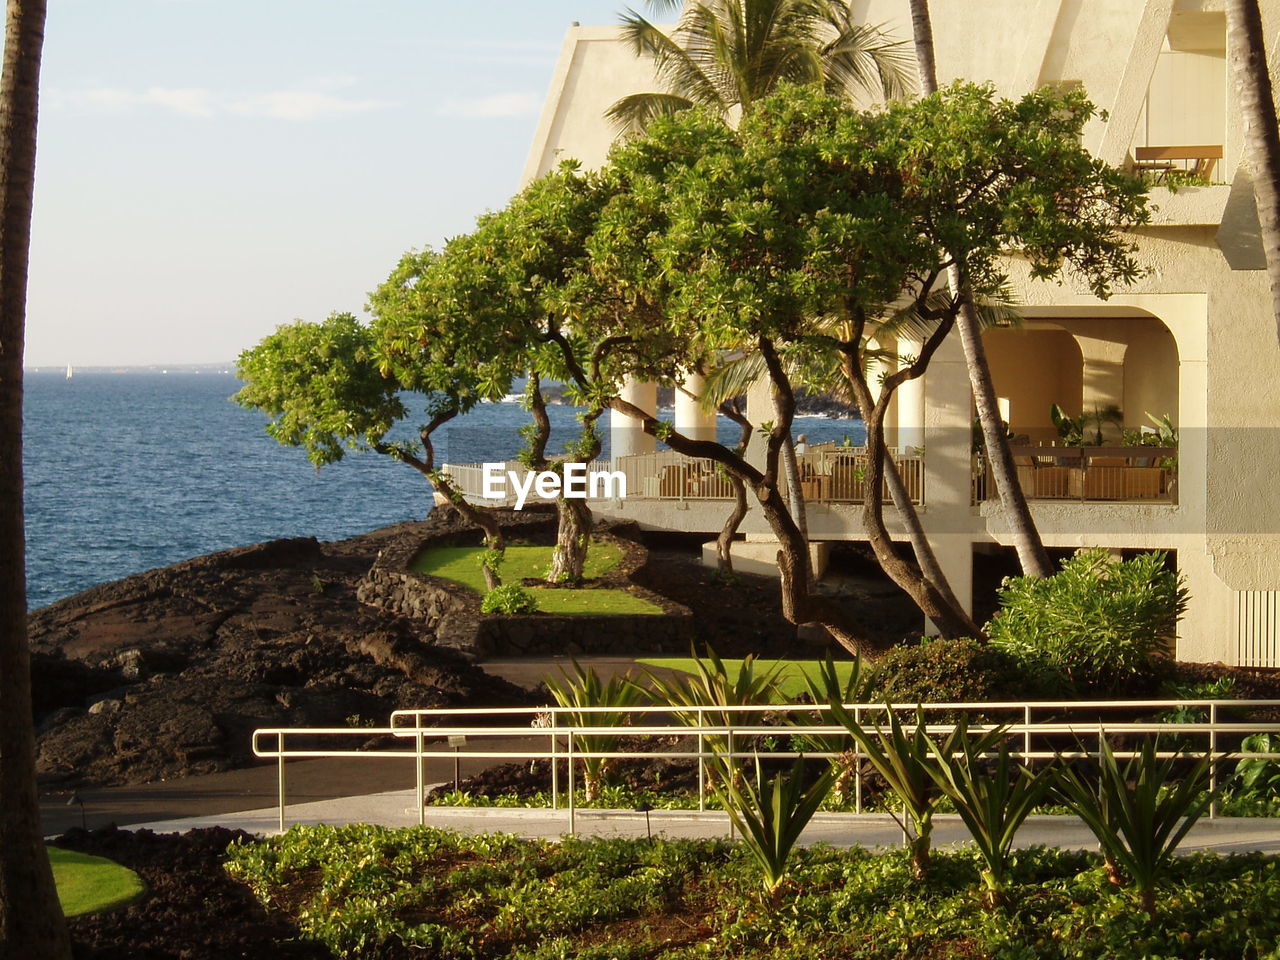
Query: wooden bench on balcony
x=1197, y=161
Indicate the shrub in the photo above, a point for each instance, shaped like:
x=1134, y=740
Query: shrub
x=954, y=669
x=508, y=598
x=1105, y=626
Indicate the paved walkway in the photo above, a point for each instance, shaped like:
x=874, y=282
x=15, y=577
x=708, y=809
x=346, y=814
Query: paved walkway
x=871, y=830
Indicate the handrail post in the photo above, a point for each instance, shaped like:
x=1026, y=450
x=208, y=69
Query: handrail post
x=1026, y=734
x=573, y=810
x=731, y=769
x=1213, y=760
x=420, y=770
x=857, y=765
x=280, y=776
x=702, y=761
x=555, y=771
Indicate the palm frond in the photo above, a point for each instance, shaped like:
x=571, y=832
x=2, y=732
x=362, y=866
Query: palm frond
x=665, y=6
x=731, y=378
x=863, y=57
x=633, y=114
x=677, y=68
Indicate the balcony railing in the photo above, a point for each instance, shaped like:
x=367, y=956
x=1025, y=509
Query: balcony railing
x=827, y=474
x=1090, y=474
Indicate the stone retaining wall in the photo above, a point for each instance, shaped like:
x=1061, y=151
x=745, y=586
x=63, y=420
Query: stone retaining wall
x=452, y=613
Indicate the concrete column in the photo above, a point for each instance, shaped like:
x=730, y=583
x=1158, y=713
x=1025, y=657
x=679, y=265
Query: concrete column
x=955, y=556
x=691, y=419
x=910, y=401
x=626, y=436
x=947, y=476
x=760, y=409
x=877, y=370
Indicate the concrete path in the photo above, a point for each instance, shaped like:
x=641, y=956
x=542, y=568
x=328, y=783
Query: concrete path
x=871, y=830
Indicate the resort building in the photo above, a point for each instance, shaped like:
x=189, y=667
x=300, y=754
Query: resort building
x=1194, y=340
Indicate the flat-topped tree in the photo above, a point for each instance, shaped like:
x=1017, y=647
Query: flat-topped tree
x=813, y=224
x=488, y=303
x=328, y=390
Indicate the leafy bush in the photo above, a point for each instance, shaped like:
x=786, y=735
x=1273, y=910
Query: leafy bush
x=374, y=892
x=954, y=670
x=509, y=598
x=1105, y=626
x=1259, y=777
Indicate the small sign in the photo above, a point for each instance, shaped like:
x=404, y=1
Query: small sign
x=456, y=741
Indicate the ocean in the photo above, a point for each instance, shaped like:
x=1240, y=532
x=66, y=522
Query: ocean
x=126, y=472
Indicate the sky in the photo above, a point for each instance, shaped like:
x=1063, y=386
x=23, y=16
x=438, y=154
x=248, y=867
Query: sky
x=210, y=169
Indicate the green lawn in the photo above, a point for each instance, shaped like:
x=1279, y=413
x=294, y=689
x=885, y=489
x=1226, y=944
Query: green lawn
x=92, y=884
x=461, y=565
x=791, y=679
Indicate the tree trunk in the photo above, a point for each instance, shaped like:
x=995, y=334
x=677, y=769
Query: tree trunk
x=1248, y=53
x=926, y=584
x=795, y=499
x=724, y=542
x=918, y=849
x=1026, y=538
x=493, y=536
x=31, y=923
x=573, y=538
x=798, y=604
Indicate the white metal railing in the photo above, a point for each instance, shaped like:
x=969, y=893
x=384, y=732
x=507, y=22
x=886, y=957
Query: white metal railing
x=556, y=734
x=469, y=480
x=828, y=474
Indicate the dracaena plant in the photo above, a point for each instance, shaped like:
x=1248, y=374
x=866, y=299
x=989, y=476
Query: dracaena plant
x=702, y=699
x=993, y=794
x=583, y=687
x=771, y=812
x=1139, y=811
x=905, y=757
x=856, y=686
x=694, y=698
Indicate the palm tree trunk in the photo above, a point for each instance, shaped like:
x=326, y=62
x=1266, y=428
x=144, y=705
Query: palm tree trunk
x=1032, y=556
x=1026, y=538
x=31, y=923
x=1262, y=139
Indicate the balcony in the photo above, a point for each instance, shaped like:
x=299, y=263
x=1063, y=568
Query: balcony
x=828, y=474
x=1090, y=474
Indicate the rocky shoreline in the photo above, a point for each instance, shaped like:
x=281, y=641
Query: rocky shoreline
x=166, y=673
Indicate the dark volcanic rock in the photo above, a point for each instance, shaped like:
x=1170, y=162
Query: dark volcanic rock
x=167, y=673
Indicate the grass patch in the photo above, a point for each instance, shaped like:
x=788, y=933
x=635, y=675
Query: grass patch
x=372, y=891
x=89, y=884
x=461, y=565
x=599, y=601
x=791, y=682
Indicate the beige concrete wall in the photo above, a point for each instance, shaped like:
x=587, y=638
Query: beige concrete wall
x=1186, y=101
x=1150, y=374
x=1035, y=368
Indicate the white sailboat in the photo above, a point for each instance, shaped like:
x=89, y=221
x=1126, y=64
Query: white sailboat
x=69, y=371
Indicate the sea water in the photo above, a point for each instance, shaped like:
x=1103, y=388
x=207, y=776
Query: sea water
x=130, y=471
